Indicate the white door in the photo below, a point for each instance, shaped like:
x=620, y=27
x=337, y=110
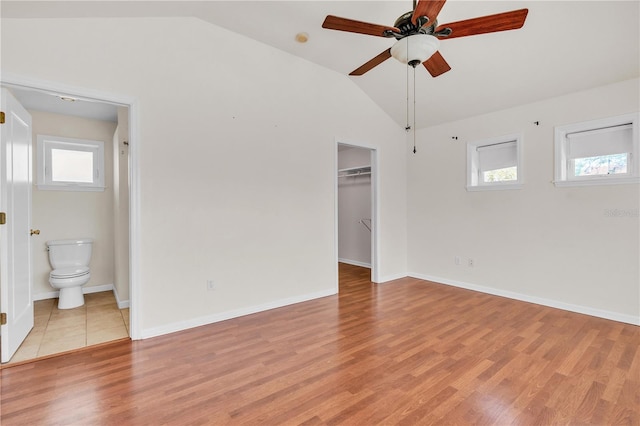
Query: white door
x=15, y=246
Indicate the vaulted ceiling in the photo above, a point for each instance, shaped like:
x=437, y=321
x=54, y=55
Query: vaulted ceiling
x=563, y=47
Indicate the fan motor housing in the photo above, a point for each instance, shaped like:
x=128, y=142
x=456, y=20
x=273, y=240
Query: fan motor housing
x=407, y=27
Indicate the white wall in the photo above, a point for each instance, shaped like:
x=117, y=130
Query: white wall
x=553, y=245
x=73, y=214
x=237, y=158
x=354, y=204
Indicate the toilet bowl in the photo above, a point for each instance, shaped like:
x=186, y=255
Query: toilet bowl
x=70, y=262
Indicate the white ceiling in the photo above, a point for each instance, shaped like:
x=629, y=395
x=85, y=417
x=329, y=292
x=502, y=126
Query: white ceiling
x=51, y=102
x=564, y=46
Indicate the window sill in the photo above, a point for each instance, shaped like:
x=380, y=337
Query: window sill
x=495, y=187
x=70, y=188
x=597, y=182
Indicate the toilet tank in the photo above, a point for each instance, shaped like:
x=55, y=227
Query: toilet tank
x=69, y=253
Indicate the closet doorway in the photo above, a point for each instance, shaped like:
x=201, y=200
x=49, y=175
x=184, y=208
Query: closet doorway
x=356, y=201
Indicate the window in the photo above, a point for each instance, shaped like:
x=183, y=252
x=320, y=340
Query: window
x=597, y=152
x=494, y=163
x=70, y=164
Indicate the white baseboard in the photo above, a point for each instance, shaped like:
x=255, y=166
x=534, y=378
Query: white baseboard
x=600, y=313
x=122, y=304
x=210, y=319
x=85, y=290
x=388, y=278
x=354, y=263
x=45, y=296
x=97, y=288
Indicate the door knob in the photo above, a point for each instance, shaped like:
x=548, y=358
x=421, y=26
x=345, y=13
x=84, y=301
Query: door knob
x=35, y=232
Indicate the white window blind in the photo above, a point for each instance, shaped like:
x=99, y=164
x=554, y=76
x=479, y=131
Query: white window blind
x=598, y=152
x=597, y=142
x=497, y=156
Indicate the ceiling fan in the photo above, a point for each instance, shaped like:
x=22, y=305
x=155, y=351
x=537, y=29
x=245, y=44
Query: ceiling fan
x=418, y=34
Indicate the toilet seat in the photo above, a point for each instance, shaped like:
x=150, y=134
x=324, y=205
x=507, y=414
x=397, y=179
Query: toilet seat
x=73, y=272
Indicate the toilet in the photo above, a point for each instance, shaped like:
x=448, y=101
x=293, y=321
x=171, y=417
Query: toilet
x=70, y=262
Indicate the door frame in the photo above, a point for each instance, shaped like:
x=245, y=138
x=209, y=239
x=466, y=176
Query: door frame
x=375, y=207
x=9, y=79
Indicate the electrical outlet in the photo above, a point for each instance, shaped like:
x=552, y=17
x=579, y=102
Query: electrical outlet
x=470, y=263
x=210, y=285
x=456, y=260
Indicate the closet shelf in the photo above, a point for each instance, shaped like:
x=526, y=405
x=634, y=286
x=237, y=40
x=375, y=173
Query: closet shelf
x=354, y=171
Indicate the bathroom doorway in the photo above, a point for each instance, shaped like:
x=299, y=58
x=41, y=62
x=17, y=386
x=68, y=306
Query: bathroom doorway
x=103, y=216
x=356, y=217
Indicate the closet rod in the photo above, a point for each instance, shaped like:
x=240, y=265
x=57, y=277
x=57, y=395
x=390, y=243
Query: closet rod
x=354, y=174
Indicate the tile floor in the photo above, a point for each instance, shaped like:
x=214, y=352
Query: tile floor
x=55, y=331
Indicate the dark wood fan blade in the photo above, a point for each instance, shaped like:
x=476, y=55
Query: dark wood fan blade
x=349, y=25
x=372, y=63
x=486, y=24
x=436, y=65
x=428, y=8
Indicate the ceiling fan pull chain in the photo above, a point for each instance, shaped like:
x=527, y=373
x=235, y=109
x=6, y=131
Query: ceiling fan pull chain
x=408, y=126
x=414, y=110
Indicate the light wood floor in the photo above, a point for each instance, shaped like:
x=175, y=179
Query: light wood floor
x=405, y=352
x=59, y=330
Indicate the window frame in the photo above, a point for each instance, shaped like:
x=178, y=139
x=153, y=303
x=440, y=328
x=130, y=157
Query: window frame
x=475, y=181
x=47, y=143
x=563, y=176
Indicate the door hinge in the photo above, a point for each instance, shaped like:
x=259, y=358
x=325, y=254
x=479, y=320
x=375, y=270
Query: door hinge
x=3, y=318
x=3, y=218
x=1, y=117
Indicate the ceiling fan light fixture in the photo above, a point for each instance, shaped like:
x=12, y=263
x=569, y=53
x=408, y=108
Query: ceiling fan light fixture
x=415, y=49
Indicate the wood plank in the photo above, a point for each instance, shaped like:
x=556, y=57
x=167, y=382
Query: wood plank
x=407, y=352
